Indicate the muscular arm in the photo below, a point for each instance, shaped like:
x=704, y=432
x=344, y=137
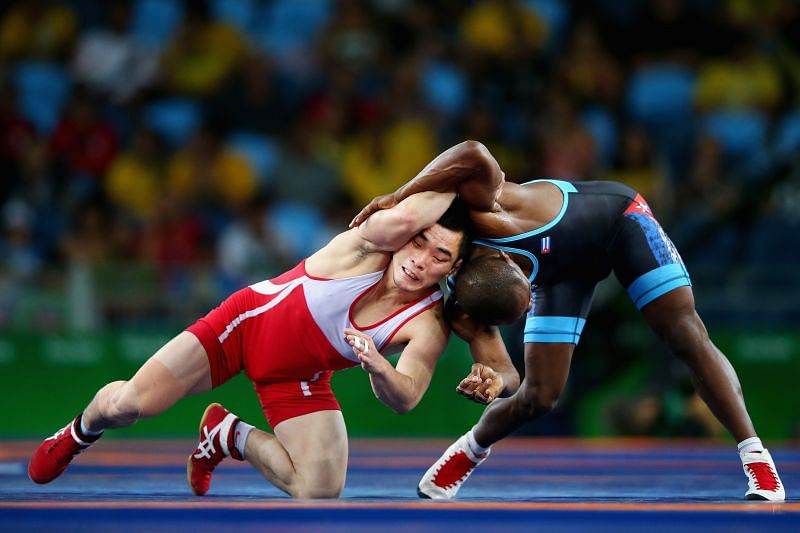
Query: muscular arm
x=390, y=229
x=488, y=350
x=467, y=168
x=386, y=231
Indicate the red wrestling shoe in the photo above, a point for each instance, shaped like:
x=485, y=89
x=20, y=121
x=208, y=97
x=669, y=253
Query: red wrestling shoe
x=216, y=443
x=53, y=455
x=445, y=477
x=762, y=477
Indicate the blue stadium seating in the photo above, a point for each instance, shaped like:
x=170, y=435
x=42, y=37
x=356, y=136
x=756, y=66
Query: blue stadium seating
x=175, y=119
x=43, y=89
x=153, y=22
x=444, y=87
x=660, y=95
x=741, y=134
x=602, y=126
x=260, y=151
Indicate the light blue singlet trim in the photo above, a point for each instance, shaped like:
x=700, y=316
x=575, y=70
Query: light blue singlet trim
x=554, y=329
x=566, y=188
x=526, y=253
x=658, y=282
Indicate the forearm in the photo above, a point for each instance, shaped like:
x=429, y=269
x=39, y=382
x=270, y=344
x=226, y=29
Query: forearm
x=510, y=378
x=467, y=168
x=392, y=228
x=489, y=349
x=395, y=389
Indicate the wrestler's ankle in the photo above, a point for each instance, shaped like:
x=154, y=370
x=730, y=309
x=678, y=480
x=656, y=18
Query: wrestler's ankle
x=241, y=431
x=475, y=447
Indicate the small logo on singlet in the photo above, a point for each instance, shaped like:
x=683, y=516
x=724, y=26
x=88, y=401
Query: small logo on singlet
x=545, y=245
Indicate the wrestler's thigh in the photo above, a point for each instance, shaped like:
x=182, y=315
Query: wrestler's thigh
x=317, y=445
x=177, y=369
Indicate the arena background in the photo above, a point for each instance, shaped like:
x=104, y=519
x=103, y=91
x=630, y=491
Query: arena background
x=156, y=155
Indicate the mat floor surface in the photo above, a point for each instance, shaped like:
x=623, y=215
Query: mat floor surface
x=554, y=485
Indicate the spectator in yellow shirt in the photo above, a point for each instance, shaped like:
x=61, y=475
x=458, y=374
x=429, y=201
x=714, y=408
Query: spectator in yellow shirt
x=205, y=172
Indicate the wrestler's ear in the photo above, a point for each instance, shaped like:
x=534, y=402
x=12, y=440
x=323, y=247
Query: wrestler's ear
x=455, y=267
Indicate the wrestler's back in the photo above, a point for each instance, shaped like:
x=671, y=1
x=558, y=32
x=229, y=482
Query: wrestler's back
x=556, y=229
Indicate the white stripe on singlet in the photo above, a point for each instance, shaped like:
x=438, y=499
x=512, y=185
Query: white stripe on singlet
x=265, y=287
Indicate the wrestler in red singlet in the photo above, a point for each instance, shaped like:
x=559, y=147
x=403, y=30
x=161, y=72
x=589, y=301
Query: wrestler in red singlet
x=286, y=334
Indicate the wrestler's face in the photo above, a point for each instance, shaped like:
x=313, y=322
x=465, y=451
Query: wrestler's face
x=427, y=258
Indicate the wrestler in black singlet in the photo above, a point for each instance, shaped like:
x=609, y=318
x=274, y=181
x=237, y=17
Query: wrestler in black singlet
x=602, y=227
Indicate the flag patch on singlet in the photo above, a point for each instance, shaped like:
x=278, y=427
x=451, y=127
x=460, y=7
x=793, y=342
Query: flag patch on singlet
x=546, y=245
x=639, y=206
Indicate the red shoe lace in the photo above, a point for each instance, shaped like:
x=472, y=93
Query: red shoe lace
x=765, y=478
x=453, y=470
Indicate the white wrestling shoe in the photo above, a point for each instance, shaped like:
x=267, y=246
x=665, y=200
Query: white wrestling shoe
x=445, y=477
x=762, y=477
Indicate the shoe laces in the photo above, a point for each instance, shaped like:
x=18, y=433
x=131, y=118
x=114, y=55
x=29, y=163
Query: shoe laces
x=764, y=476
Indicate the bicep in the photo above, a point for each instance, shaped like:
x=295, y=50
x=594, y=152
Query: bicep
x=480, y=189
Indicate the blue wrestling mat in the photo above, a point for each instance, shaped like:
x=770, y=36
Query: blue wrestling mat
x=553, y=485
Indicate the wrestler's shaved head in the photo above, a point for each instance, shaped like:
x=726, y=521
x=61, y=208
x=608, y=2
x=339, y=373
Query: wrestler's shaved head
x=492, y=290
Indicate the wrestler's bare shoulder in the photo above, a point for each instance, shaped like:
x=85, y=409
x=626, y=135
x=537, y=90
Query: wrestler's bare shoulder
x=347, y=255
x=521, y=208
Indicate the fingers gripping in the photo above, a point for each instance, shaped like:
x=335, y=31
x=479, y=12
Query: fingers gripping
x=364, y=349
x=378, y=203
x=481, y=384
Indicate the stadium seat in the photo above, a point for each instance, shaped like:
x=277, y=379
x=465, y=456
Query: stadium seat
x=555, y=14
x=285, y=25
x=260, y=151
x=787, y=136
x=602, y=126
x=660, y=95
x=43, y=89
x=741, y=134
x=301, y=228
x=153, y=22
x=444, y=87
x=175, y=119
x=238, y=13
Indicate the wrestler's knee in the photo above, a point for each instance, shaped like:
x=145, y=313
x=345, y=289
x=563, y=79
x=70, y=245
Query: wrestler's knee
x=536, y=399
x=316, y=493
x=314, y=487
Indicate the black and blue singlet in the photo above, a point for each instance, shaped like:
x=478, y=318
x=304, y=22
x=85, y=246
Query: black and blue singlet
x=602, y=227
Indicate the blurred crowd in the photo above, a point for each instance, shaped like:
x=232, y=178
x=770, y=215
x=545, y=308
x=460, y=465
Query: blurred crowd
x=157, y=154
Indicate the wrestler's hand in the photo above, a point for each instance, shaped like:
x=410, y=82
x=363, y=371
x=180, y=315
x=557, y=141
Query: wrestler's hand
x=364, y=348
x=482, y=385
x=386, y=201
